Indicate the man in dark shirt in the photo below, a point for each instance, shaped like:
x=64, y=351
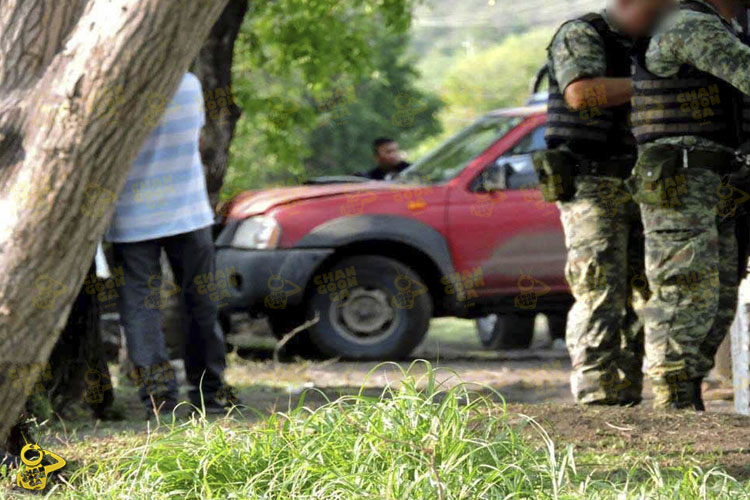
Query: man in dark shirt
x=389, y=160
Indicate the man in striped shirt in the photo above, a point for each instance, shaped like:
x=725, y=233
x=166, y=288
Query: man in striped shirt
x=164, y=205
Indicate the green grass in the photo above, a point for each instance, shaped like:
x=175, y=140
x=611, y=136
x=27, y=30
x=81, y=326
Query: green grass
x=409, y=443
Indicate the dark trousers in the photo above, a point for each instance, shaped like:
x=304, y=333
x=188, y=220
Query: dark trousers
x=190, y=255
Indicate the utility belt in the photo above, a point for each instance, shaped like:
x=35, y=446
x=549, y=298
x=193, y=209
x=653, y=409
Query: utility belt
x=558, y=168
x=660, y=171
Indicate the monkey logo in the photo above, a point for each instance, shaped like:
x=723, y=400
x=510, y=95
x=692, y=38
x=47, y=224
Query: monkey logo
x=531, y=289
x=638, y=287
x=407, y=290
x=98, y=200
x=612, y=197
x=108, y=103
x=161, y=290
x=94, y=393
x=49, y=289
x=355, y=203
x=34, y=475
x=281, y=289
x=407, y=109
x=730, y=198
x=228, y=394
x=157, y=104
x=485, y=206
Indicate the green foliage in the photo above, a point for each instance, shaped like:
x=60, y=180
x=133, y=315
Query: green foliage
x=494, y=78
x=388, y=104
x=315, y=65
x=421, y=440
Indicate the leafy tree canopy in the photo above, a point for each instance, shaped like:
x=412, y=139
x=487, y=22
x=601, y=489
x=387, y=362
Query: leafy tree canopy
x=314, y=78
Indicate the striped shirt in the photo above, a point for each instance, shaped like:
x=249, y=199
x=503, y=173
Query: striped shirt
x=165, y=193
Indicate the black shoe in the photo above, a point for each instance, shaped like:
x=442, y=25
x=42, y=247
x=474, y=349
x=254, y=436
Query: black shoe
x=698, y=394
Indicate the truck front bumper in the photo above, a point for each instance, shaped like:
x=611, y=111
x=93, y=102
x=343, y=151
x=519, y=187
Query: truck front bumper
x=268, y=281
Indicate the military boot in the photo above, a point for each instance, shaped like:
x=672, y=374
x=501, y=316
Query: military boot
x=673, y=392
x=698, y=394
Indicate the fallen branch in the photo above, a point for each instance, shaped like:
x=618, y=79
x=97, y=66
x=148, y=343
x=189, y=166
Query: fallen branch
x=289, y=336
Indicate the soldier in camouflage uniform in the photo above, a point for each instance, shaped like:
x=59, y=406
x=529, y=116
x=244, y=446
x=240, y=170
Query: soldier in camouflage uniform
x=588, y=112
x=687, y=120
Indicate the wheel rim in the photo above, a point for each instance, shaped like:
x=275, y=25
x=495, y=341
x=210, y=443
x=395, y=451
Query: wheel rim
x=364, y=316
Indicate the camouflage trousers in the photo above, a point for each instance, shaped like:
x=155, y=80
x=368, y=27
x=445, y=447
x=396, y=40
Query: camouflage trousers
x=691, y=265
x=604, y=239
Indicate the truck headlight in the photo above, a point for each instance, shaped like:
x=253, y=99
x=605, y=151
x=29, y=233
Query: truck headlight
x=257, y=233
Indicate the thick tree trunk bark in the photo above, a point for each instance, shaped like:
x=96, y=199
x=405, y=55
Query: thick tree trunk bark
x=214, y=68
x=77, y=79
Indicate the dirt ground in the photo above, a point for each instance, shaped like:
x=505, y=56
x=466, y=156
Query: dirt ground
x=708, y=440
x=532, y=382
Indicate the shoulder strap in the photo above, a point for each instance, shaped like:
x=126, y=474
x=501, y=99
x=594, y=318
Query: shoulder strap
x=702, y=8
x=697, y=7
x=593, y=19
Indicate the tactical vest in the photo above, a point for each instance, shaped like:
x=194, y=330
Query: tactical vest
x=596, y=131
x=691, y=103
x=745, y=109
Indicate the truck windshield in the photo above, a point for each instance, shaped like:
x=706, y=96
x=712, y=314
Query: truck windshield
x=447, y=161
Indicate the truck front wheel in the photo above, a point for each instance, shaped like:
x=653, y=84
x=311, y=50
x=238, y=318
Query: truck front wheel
x=370, y=307
x=506, y=331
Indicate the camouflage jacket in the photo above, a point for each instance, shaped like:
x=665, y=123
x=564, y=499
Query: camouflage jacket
x=702, y=41
x=577, y=51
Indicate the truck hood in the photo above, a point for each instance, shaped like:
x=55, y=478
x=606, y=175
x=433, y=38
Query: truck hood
x=253, y=203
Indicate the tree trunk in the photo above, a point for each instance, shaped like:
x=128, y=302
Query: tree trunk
x=214, y=68
x=77, y=80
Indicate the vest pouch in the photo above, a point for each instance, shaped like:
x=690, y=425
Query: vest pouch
x=659, y=176
x=556, y=171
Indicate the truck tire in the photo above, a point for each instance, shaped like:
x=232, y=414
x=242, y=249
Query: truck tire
x=506, y=331
x=557, y=323
x=370, y=307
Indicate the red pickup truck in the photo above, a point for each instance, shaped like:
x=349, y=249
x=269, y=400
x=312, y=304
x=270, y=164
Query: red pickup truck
x=463, y=232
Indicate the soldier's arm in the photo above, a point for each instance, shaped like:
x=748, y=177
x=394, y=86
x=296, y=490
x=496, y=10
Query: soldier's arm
x=579, y=64
x=700, y=40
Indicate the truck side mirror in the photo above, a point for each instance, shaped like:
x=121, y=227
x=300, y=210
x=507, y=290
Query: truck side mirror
x=495, y=178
